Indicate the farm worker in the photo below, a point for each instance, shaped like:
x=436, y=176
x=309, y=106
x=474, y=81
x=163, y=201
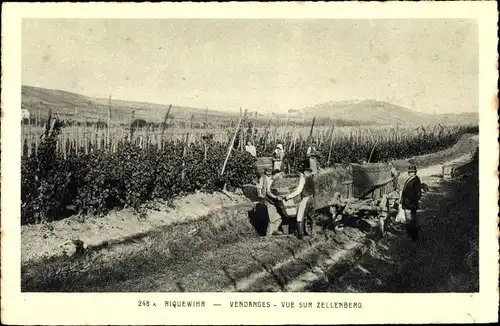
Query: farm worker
x=410, y=197
x=312, y=160
x=279, y=154
x=251, y=149
x=269, y=201
x=276, y=209
x=264, y=180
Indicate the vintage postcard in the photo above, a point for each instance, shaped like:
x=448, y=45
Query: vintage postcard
x=249, y=163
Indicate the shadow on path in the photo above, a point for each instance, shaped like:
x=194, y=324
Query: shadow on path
x=442, y=261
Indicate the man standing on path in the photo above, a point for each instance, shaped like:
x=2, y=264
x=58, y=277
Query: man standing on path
x=410, y=197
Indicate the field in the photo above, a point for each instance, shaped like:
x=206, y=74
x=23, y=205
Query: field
x=90, y=170
x=94, y=136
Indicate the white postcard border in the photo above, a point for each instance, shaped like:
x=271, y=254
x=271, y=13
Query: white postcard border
x=113, y=308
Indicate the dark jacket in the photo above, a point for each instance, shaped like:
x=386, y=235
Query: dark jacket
x=411, y=193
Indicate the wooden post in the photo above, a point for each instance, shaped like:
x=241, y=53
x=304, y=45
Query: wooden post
x=312, y=127
x=373, y=149
x=230, y=148
x=132, y=125
x=108, y=122
x=330, y=148
x=85, y=143
x=47, y=125
x=64, y=143
x=188, y=134
x=266, y=133
x=164, y=125
x=206, y=117
x=254, y=127
x=29, y=136
x=98, y=141
x=292, y=141
x=147, y=136
x=241, y=131
x=29, y=144
x=184, y=151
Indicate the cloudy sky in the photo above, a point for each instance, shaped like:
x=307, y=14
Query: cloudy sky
x=267, y=65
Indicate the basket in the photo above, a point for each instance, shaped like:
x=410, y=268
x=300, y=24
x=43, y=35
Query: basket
x=285, y=185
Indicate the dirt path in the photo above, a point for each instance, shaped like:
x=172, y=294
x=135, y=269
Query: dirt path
x=347, y=261
x=444, y=260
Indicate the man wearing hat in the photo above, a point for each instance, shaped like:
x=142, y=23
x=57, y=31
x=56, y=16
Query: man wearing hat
x=279, y=154
x=410, y=197
x=312, y=159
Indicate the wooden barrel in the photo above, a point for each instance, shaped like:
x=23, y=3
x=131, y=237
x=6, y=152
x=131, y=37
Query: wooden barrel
x=264, y=163
x=327, y=182
x=368, y=176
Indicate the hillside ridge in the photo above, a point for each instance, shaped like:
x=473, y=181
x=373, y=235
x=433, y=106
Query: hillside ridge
x=79, y=107
x=380, y=112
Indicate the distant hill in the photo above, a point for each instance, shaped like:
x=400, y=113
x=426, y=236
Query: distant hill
x=381, y=113
x=77, y=107
x=81, y=108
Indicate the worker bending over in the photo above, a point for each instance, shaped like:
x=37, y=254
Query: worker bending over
x=276, y=204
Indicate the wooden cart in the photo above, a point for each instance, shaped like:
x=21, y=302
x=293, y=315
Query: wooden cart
x=362, y=191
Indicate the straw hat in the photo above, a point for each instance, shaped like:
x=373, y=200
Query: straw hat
x=412, y=168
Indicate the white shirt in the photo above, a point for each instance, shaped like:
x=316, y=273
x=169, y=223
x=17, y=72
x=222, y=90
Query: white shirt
x=252, y=150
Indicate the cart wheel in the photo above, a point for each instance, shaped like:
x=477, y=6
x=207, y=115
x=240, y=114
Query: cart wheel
x=310, y=226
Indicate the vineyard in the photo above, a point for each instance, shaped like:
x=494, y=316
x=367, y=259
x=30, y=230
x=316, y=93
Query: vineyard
x=66, y=173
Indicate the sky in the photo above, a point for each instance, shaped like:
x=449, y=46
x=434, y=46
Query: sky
x=427, y=65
